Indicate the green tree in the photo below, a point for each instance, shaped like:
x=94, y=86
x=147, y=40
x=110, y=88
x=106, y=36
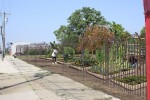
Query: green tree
x=78, y=22
x=119, y=31
x=142, y=32
x=66, y=37
x=84, y=17
x=61, y=33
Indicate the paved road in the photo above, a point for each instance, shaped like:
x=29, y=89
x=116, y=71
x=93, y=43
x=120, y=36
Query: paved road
x=22, y=81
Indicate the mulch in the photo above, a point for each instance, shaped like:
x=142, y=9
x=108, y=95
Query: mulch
x=89, y=80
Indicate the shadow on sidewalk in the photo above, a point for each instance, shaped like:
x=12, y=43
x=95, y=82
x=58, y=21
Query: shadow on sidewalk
x=37, y=75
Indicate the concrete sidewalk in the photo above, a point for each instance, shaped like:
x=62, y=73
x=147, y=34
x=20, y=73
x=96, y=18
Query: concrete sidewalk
x=22, y=81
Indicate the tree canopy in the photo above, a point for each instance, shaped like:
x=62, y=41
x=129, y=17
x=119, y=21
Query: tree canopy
x=82, y=19
x=94, y=37
x=66, y=36
x=119, y=31
x=77, y=24
x=142, y=32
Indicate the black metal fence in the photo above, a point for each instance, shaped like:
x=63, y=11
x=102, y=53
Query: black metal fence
x=121, y=64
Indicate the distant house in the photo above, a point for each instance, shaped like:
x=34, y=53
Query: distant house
x=14, y=49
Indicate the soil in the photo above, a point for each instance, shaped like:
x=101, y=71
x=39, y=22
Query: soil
x=81, y=76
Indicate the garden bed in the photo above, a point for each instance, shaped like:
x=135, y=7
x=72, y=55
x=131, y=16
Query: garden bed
x=72, y=65
x=102, y=76
x=98, y=75
x=66, y=63
x=79, y=68
x=86, y=79
x=131, y=82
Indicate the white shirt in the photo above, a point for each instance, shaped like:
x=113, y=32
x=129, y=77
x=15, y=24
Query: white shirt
x=54, y=54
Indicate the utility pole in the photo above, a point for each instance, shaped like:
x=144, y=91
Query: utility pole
x=2, y=43
x=3, y=32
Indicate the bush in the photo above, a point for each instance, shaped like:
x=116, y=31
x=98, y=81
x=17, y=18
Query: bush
x=98, y=70
x=68, y=53
x=85, y=59
x=100, y=56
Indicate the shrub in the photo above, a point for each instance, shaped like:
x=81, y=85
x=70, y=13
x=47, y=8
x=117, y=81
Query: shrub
x=85, y=59
x=68, y=53
x=98, y=70
x=100, y=56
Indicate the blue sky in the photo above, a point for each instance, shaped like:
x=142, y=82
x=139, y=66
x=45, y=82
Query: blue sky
x=36, y=20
